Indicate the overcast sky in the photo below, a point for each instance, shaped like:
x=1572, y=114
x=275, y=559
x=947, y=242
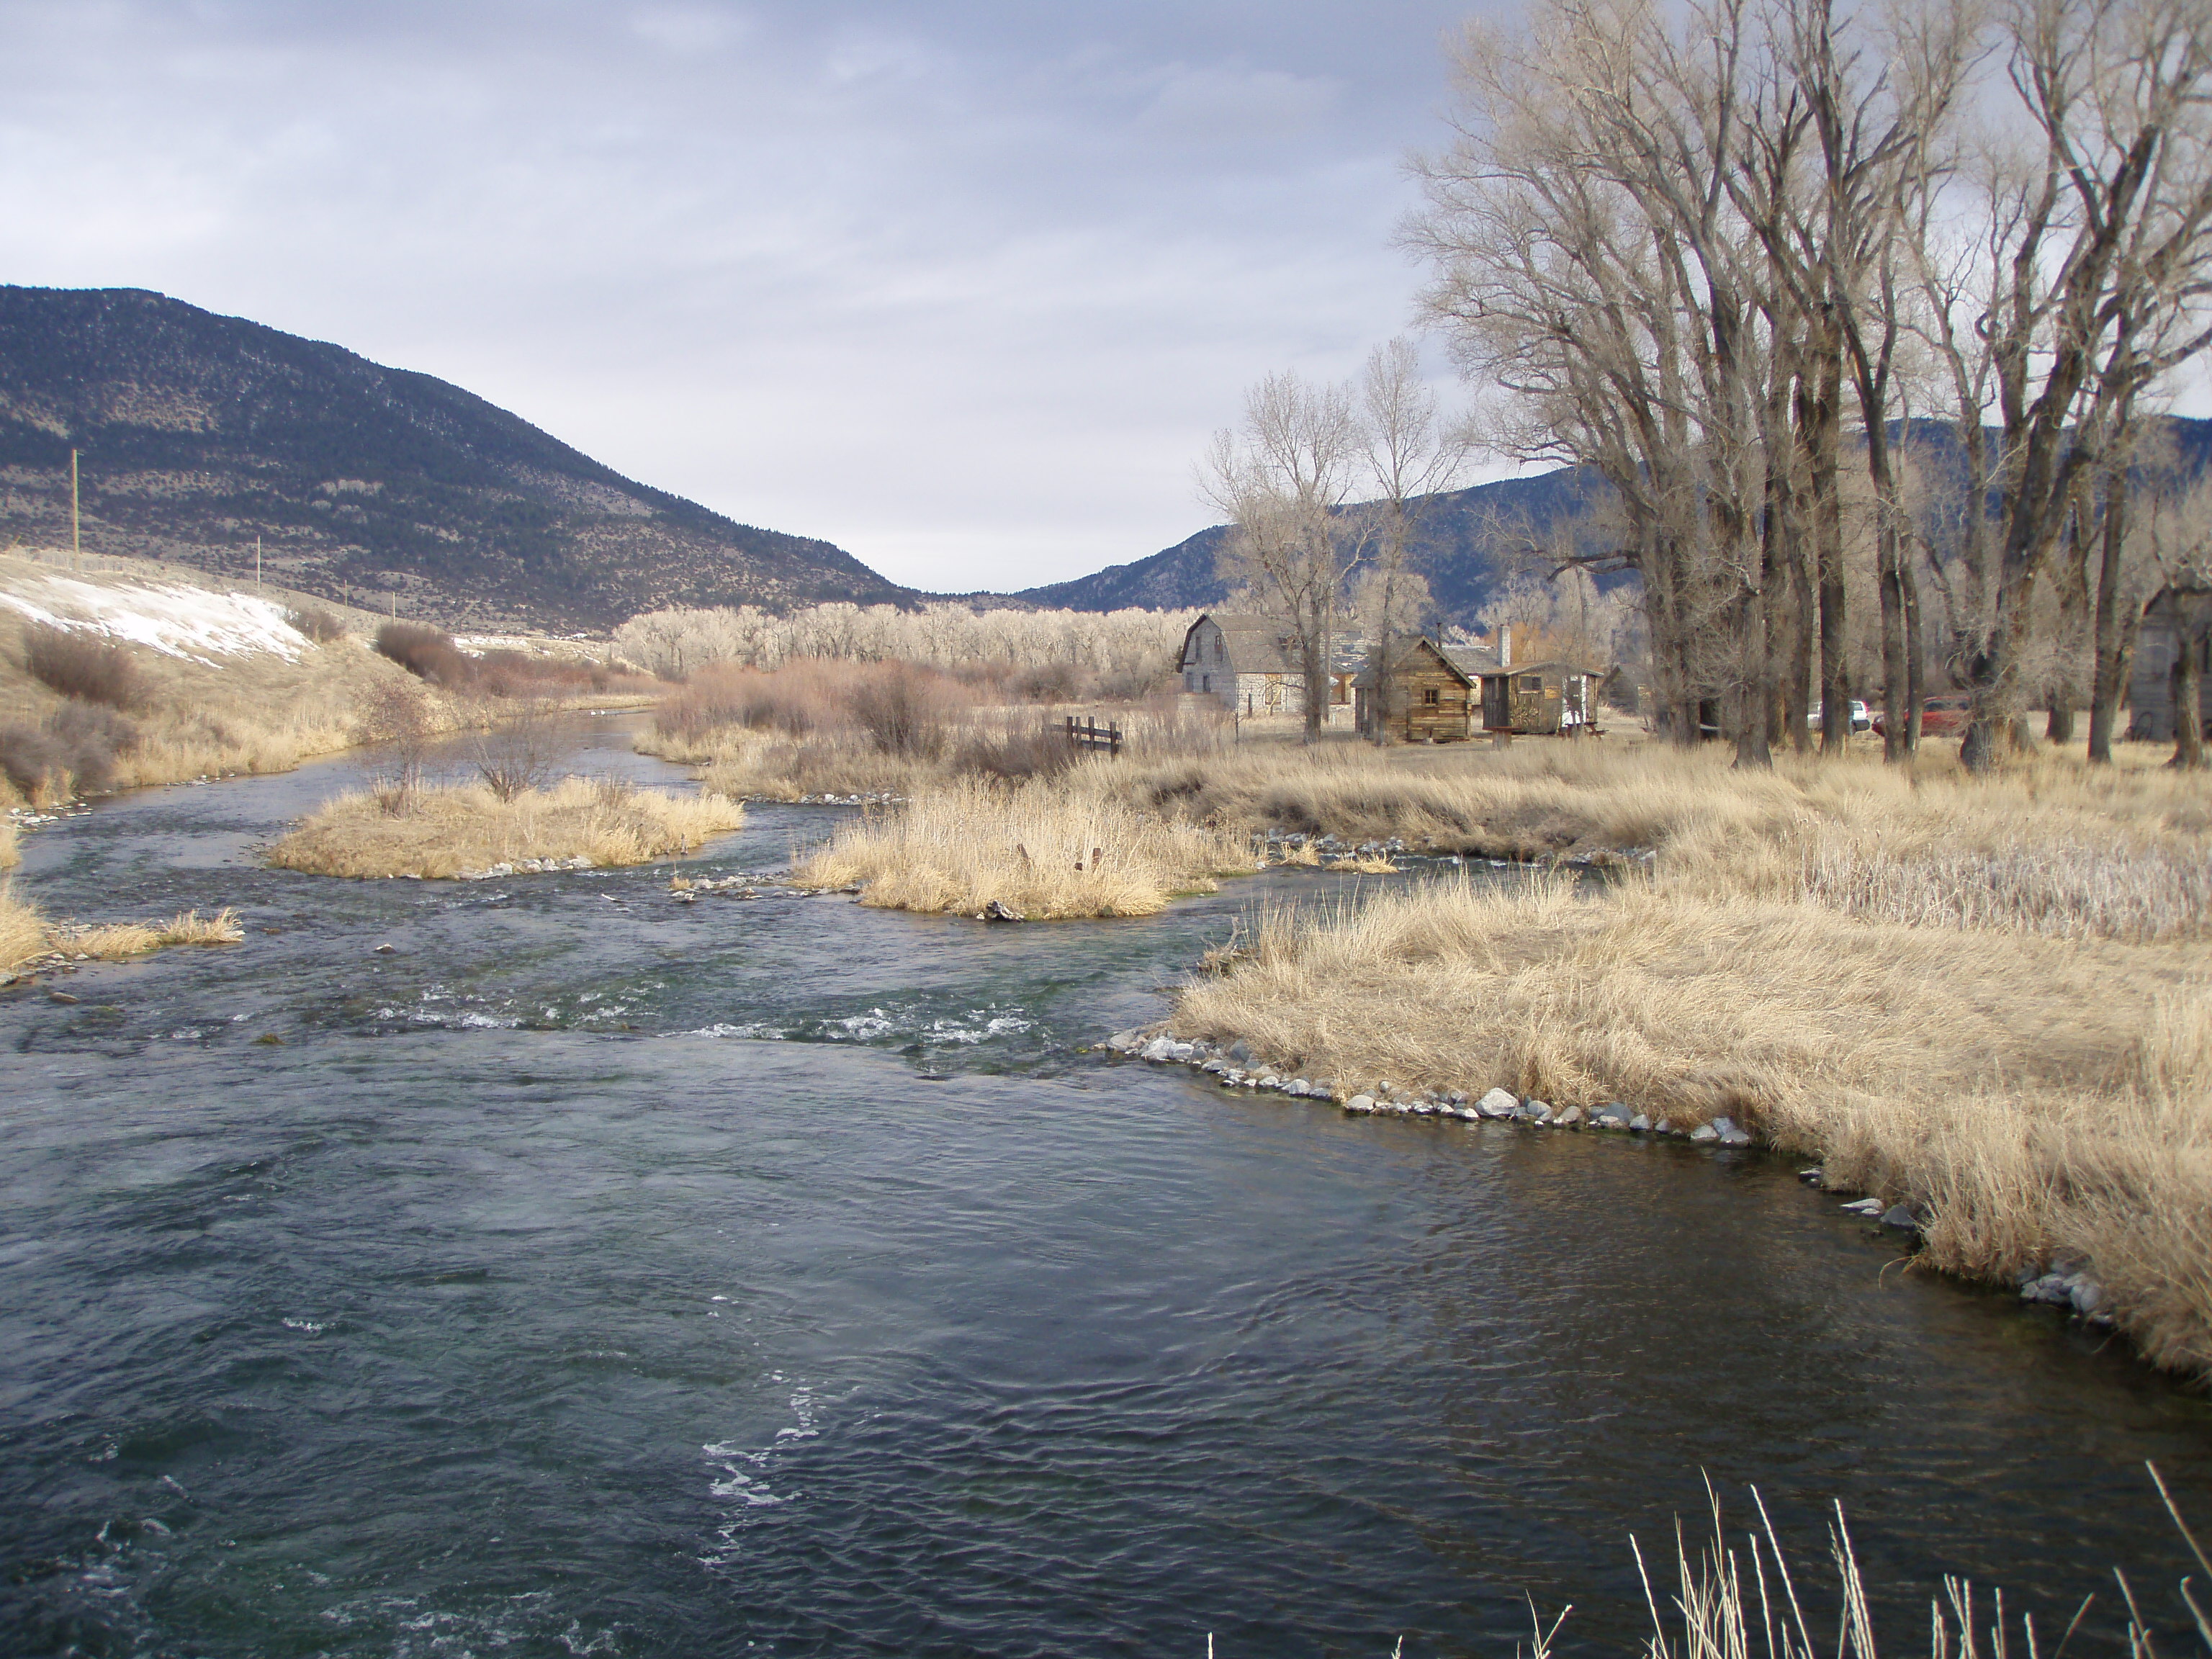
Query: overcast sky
x=962, y=287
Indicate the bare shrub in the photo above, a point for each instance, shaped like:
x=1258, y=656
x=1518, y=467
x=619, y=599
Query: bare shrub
x=396, y=725
x=427, y=652
x=317, y=623
x=523, y=751
x=1015, y=745
x=904, y=710
x=78, y=666
x=73, y=750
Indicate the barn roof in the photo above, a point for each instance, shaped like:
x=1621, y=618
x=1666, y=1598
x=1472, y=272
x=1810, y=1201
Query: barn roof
x=1256, y=645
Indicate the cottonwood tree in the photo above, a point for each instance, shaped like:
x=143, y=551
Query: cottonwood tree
x=1409, y=451
x=2111, y=268
x=1279, y=479
x=1592, y=265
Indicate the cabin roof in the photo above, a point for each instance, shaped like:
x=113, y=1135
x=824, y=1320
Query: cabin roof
x=1412, y=647
x=1556, y=666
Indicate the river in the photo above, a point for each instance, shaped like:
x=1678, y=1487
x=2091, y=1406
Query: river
x=593, y=1272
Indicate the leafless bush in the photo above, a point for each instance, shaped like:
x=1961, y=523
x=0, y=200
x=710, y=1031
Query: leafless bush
x=73, y=750
x=427, y=652
x=895, y=708
x=1015, y=745
x=903, y=709
x=523, y=751
x=396, y=725
x=78, y=666
x=317, y=623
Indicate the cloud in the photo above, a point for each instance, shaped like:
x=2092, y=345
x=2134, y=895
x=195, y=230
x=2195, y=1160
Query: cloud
x=963, y=289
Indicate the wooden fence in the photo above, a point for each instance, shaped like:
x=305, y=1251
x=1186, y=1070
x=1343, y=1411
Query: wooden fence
x=1087, y=733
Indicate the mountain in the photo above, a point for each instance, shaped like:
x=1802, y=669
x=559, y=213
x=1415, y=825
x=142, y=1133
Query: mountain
x=1462, y=538
x=1464, y=534
x=198, y=433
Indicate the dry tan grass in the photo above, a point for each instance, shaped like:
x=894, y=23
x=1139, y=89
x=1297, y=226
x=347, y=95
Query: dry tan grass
x=26, y=936
x=11, y=854
x=1987, y=997
x=465, y=827
x=1050, y=848
x=22, y=930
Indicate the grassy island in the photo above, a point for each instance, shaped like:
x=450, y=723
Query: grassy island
x=1048, y=849
x=467, y=829
x=29, y=940
x=1982, y=997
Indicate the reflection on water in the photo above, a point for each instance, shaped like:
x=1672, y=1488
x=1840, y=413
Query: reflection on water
x=599, y=1274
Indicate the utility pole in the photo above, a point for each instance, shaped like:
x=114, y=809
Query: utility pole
x=257, y=561
x=76, y=531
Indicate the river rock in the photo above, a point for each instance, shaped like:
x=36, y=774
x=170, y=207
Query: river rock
x=1159, y=1050
x=1568, y=1119
x=1612, y=1116
x=1705, y=1134
x=1497, y=1103
x=1900, y=1217
x=1360, y=1104
x=1640, y=1123
x=1240, y=1053
x=1730, y=1132
x=1869, y=1208
x=1813, y=1176
x=2086, y=1295
x=1664, y=1126
x=2054, y=1288
x=998, y=910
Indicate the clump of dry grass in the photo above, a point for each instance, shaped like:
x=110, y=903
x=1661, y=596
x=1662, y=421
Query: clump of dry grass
x=26, y=936
x=11, y=853
x=23, y=931
x=1050, y=848
x=466, y=828
x=2033, y=1094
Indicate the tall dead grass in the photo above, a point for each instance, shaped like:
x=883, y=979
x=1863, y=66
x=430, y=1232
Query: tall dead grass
x=26, y=936
x=1987, y=998
x=465, y=828
x=1046, y=849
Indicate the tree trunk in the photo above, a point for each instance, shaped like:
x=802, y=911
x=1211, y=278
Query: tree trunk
x=2115, y=640
x=1819, y=418
x=1916, y=654
x=2188, y=680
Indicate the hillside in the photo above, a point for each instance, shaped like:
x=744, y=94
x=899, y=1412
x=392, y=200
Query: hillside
x=1467, y=534
x=1463, y=536
x=199, y=433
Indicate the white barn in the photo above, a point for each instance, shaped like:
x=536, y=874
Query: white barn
x=1249, y=665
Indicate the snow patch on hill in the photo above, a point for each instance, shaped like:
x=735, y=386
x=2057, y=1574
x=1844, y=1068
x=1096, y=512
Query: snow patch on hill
x=195, y=623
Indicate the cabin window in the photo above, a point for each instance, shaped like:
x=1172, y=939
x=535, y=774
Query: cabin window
x=1531, y=681
x=1430, y=696
x=1206, y=682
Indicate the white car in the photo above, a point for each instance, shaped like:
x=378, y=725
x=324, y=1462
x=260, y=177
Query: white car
x=1860, y=721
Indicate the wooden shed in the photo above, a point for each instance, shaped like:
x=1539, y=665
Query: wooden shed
x=1542, y=698
x=1422, y=696
x=2180, y=618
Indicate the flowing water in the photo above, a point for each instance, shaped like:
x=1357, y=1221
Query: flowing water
x=598, y=1273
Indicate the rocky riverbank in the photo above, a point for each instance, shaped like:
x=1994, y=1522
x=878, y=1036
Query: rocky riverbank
x=2062, y=1278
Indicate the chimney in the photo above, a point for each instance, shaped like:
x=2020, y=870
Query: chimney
x=1505, y=645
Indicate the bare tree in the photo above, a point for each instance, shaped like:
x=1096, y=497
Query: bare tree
x=1281, y=480
x=2109, y=272
x=1411, y=452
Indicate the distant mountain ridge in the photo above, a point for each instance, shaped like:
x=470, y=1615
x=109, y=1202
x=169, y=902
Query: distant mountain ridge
x=198, y=433
x=1459, y=550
